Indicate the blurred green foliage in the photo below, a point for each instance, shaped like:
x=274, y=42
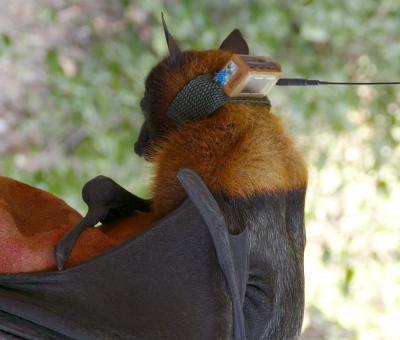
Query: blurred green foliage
x=86, y=120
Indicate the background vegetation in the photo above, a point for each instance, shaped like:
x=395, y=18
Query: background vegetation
x=71, y=76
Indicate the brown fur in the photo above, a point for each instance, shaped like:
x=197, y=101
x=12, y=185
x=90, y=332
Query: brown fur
x=242, y=150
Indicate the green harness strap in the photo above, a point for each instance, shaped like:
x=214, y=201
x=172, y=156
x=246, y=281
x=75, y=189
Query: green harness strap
x=201, y=97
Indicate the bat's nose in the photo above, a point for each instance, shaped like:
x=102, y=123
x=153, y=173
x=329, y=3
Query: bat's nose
x=138, y=148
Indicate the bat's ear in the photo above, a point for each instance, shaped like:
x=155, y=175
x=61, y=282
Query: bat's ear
x=173, y=47
x=235, y=43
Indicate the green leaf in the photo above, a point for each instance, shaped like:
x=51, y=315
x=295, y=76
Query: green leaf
x=348, y=277
x=52, y=61
x=6, y=40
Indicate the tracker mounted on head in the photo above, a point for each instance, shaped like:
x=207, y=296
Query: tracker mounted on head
x=180, y=88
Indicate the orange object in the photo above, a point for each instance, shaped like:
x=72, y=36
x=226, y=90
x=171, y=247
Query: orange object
x=250, y=76
x=33, y=221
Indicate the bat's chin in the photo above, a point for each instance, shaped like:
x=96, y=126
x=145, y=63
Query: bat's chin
x=148, y=157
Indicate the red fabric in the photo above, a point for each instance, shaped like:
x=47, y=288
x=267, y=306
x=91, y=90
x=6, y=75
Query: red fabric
x=32, y=222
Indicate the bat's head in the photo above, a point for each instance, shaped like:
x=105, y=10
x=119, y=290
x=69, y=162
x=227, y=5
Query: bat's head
x=169, y=77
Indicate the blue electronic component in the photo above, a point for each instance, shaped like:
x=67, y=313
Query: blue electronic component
x=226, y=73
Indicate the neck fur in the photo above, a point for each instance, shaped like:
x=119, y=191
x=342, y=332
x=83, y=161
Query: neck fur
x=241, y=150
